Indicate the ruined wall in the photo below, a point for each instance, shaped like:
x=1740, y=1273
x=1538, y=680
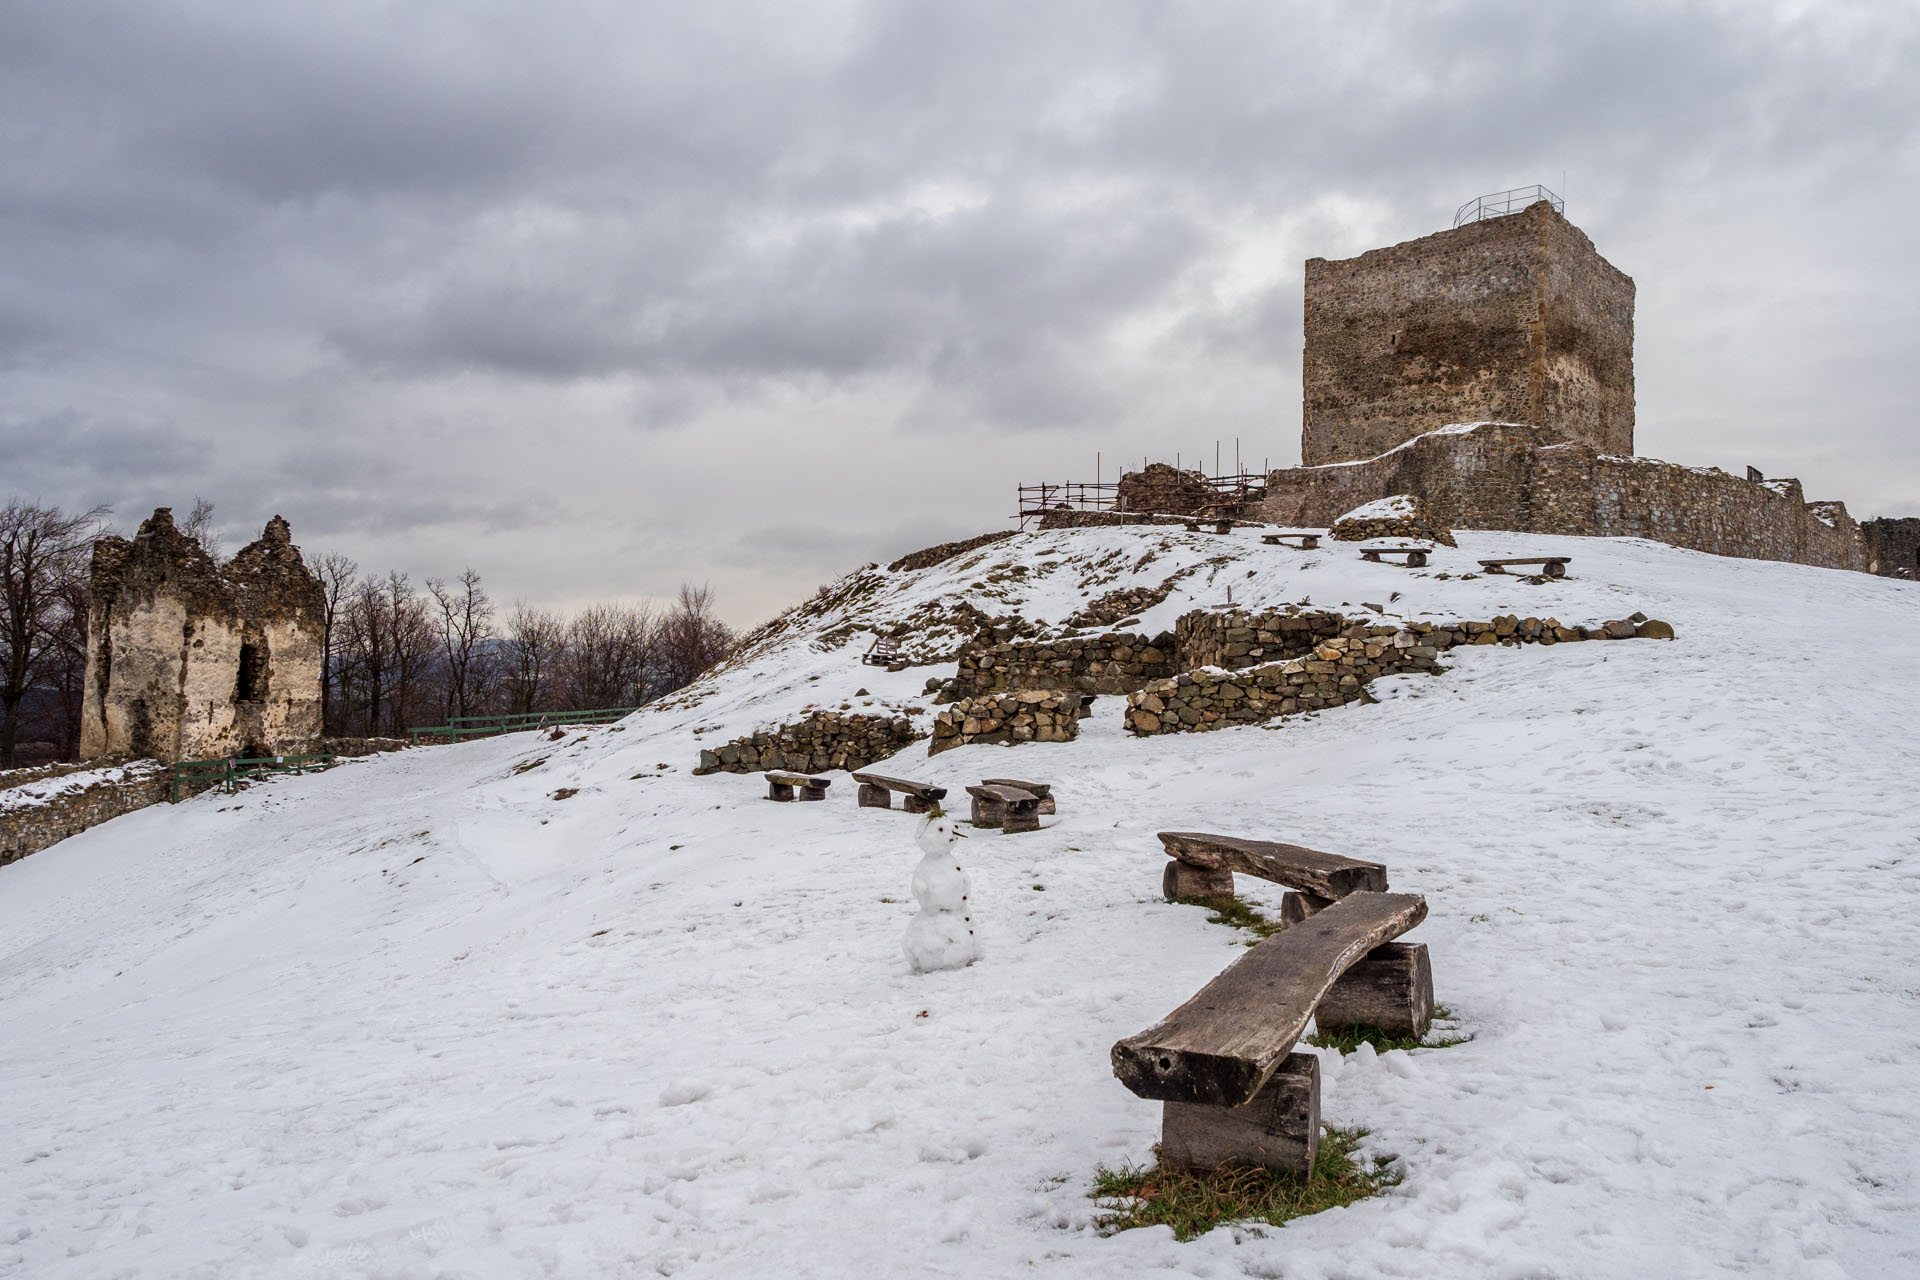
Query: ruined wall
x=824, y=740
x=1030, y=715
x=1159, y=487
x=41, y=807
x=189, y=660
x=1112, y=662
x=1893, y=547
x=1338, y=669
x=1512, y=476
x=1515, y=318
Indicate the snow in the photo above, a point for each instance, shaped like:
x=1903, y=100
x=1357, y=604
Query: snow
x=1399, y=506
x=416, y=1017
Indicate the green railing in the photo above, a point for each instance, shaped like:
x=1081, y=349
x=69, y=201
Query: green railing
x=487, y=726
x=189, y=775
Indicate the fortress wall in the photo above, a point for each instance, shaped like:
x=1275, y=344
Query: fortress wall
x=1508, y=476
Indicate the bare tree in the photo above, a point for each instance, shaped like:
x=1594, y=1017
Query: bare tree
x=413, y=651
x=534, y=641
x=43, y=553
x=199, y=528
x=691, y=638
x=336, y=573
x=368, y=645
x=464, y=621
x=609, y=657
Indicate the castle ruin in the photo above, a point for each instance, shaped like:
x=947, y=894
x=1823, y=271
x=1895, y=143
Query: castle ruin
x=192, y=660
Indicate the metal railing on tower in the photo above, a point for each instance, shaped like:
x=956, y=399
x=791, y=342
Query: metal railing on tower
x=1502, y=203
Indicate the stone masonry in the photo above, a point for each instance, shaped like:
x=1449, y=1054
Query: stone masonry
x=1338, y=669
x=189, y=660
x=1510, y=476
x=1517, y=319
x=41, y=807
x=1893, y=547
x=824, y=740
x=1030, y=715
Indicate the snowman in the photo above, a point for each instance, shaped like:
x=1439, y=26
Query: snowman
x=941, y=935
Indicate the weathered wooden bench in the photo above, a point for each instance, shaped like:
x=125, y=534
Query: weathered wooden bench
x=1550, y=566
x=916, y=797
x=1303, y=541
x=1218, y=526
x=1008, y=808
x=1222, y=1064
x=1041, y=791
x=1202, y=866
x=781, y=785
x=1415, y=556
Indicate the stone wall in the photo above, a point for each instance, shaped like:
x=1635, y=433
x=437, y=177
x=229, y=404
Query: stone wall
x=1030, y=715
x=1159, y=487
x=1515, y=318
x=1112, y=662
x=824, y=740
x=1514, y=477
x=189, y=660
x=1236, y=638
x=1893, y=547
x=41, y=807
x=1338, y=669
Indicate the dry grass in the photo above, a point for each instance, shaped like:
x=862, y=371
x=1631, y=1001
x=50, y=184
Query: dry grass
x=1195, y=1203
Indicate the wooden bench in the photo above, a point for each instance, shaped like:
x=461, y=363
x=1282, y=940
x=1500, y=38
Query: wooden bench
x=917, y=797
x=1041, y=791
x=1550, y=566
x=1415, y=556
x=1202, y=866
x=781, y=785
x=1008, y=808
x=1303, y=541
x=1222, y=1064
x=883, y=652
x=1218, y=526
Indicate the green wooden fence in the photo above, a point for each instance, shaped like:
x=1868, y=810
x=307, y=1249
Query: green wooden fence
x=486, y=726
x=189, y=775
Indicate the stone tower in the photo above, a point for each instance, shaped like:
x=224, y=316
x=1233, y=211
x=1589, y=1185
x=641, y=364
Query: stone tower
x=190, y=660
x=1512, y=319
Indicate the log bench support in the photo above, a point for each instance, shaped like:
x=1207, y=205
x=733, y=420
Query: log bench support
x=1415, y=557
x=784, y=786
x=1279, y=1129
x=1391, y=988
x=872, y=797
x=1183, y=882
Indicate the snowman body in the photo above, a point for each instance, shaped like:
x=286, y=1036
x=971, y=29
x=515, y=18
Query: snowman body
x=941, y=936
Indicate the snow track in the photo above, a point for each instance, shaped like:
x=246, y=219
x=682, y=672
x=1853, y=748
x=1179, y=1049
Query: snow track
x=414, y=1017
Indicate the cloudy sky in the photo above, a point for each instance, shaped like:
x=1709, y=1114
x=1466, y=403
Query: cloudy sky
x=597, y=297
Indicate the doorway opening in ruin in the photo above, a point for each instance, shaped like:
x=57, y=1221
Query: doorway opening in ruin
x=250, y=684
x=139, y=729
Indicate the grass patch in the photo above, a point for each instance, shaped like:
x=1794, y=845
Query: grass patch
x=1231, y=911
x=1195, y=1203
x=1347, y=1039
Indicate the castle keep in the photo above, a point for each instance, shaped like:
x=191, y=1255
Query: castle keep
x=1511, y=319
x=190, y=660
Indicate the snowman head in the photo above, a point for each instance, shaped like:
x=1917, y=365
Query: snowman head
x=937, y=834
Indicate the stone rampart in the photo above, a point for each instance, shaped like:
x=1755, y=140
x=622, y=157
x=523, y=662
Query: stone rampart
x=824, y=740
x=1030, y=715
x=1112, y=662
x=1338, y=669
x=1515, y=477
x=41, y=807
x=1893, y=547
x=1236, y=638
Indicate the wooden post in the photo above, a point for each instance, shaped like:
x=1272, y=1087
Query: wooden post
x=779, y=790
x=1021, y=817
x=872, y=797
x=1182, y=881
x=1295, y=907
x=1390, y=988
x=915, y=804
x=988, y=812
x=1278, y=1129
x=813, y=791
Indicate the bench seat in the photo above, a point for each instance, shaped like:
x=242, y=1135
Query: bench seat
x=1008, y=808
x=782, y=785
x=876, y=789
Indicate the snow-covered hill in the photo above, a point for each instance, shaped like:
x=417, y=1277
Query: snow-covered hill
x=419, y=1017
